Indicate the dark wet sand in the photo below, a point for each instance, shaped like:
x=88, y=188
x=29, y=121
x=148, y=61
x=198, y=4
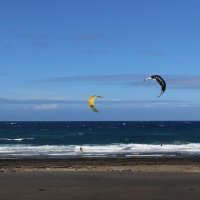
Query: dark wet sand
x=93, y=179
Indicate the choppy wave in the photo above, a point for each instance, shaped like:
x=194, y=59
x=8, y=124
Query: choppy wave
x=16, y=139
x=113, y=150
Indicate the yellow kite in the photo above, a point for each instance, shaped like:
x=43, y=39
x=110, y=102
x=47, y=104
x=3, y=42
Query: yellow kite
x=91, y=102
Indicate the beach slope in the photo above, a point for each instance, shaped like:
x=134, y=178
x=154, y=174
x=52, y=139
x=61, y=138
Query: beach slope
x=136, y=178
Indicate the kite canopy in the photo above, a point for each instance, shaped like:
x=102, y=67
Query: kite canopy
x=160, y=80
x=91, y=101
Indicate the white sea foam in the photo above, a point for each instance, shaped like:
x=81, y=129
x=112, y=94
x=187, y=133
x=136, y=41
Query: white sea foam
x=127, y=150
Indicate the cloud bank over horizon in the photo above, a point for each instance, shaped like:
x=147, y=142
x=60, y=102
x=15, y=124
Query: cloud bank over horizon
x=47, y=104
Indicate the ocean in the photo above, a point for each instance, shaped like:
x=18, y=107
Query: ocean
x=99, y=139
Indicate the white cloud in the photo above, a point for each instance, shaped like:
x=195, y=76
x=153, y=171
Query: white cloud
x=46, y=107
x=173, y=81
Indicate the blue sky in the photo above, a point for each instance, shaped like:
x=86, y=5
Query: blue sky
x=57, y=53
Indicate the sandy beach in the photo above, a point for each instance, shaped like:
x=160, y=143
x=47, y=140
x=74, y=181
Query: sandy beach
x=100, y=178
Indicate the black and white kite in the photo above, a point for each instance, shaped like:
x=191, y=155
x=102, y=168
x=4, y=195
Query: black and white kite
x=160, y=80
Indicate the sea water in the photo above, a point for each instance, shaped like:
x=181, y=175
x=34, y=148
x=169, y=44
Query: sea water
x=99, y=139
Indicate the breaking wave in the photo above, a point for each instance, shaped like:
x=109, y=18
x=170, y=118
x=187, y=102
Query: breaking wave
x=112, y=150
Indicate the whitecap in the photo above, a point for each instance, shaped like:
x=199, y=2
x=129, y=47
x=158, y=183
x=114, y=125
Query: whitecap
x=16, y=139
